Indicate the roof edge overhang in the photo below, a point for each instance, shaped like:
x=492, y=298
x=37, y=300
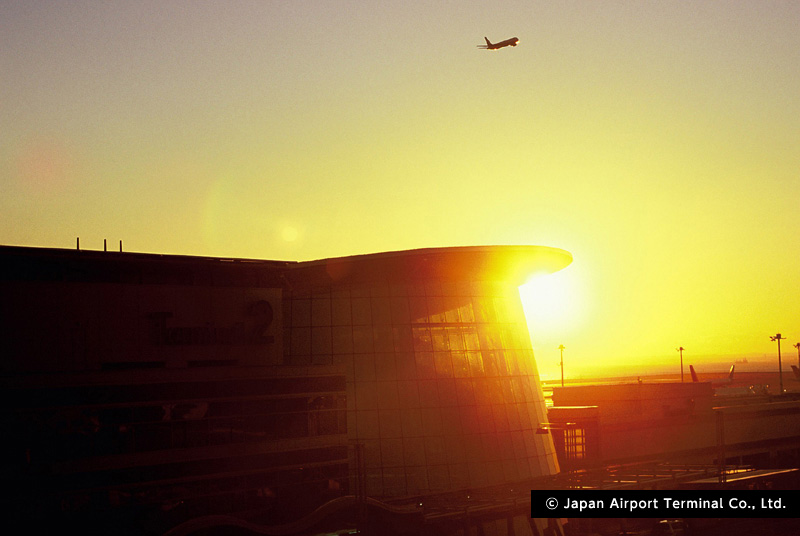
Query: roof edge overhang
x=511, y=264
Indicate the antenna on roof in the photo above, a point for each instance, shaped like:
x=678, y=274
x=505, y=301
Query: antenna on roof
x=78, y=244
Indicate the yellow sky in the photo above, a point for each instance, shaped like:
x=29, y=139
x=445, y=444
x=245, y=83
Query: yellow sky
x=657, y=142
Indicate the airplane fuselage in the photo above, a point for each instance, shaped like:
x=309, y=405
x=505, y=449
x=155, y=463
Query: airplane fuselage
x=494, y=46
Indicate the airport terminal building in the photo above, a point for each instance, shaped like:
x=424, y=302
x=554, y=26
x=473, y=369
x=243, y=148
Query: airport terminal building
x=146, y=391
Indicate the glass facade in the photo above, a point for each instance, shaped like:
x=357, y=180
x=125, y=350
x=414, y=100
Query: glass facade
x=442, y=388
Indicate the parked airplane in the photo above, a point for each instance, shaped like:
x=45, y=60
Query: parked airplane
x=726, y=381
x=494, y=46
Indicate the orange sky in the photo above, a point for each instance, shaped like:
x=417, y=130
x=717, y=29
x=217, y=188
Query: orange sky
x=657, y=142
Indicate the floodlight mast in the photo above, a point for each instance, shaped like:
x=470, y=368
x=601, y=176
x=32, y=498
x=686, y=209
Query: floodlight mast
x=778, y=338
x=681, y=349
x=561, y=347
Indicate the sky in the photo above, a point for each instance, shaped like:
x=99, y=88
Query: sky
x=657, y=142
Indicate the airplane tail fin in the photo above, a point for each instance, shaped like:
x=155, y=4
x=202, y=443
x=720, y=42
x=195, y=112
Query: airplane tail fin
x=694, y=374
x=796, y=371
x=730, y=374
x=488, y=43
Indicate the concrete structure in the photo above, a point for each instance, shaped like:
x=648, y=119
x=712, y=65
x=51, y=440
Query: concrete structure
x=147, y=390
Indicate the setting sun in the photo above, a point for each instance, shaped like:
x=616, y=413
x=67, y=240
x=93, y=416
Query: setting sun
x=549, y=301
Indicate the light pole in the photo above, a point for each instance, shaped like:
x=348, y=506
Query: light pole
x=780, y=368
x=681, y=349
x=561, y=347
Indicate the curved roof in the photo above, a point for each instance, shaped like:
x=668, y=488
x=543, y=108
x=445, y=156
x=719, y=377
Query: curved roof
x=513, y=264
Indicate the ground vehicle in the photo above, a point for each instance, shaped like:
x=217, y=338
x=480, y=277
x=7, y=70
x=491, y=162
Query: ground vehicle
x=669, y=527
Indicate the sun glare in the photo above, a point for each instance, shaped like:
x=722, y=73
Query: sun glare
x=549, y=301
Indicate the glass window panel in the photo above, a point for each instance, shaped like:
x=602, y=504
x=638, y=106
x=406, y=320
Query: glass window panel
x=431, y=422
x=455, y=339
x=495, y=391
x=301, y=341
x=387, y=395
x=460, y=364
x=422, y=340
x=403, y=340
x=301, y=313
x=320, y=340
x=489, y=363
x=447, y=392
x=412, y=423
x=340, y=312
x=364, y=367
x=322, y=359
x=436, y=308
x=433, y=288
x=408, y=394
x=449, y=288
x=439, y=337
x=500, y=310
x=379, y=289
x=490, y=339
x=482, y=314
x=478, y=288
x=342, y=340
x=471, y=341
x=475, y=363
x=465, y=392
x=418, y=309
x=327, y=423
x=406, y=366
x=366, y=395
x=400, y=311
x=381, y=311
x=385, y=366
x=360, y=291
x=398, y=289
x=362, y=314
x=425, y=365
x=435, y=453
x=367, y=423
x=465, y=312
x=516, y=389
x=444, y=365
x=451, y=309
x=500, y=359
x=500, y=417
x=321, y=312
x=383, y=339
x=390, y=423
x=362, y=339
x=513, y=417
x=414, y=449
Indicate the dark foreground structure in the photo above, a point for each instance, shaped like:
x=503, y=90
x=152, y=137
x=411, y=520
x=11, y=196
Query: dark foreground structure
x=152, y=393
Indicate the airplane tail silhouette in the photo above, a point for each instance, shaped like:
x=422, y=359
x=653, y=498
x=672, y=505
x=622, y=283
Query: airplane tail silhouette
x=796, y=371
x=488, y=44
x=730, y=373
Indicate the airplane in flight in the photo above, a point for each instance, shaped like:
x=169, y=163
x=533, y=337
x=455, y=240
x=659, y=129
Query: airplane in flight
x=494, y=46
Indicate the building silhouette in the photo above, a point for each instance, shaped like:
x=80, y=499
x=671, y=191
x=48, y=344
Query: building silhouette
x=144, y=392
